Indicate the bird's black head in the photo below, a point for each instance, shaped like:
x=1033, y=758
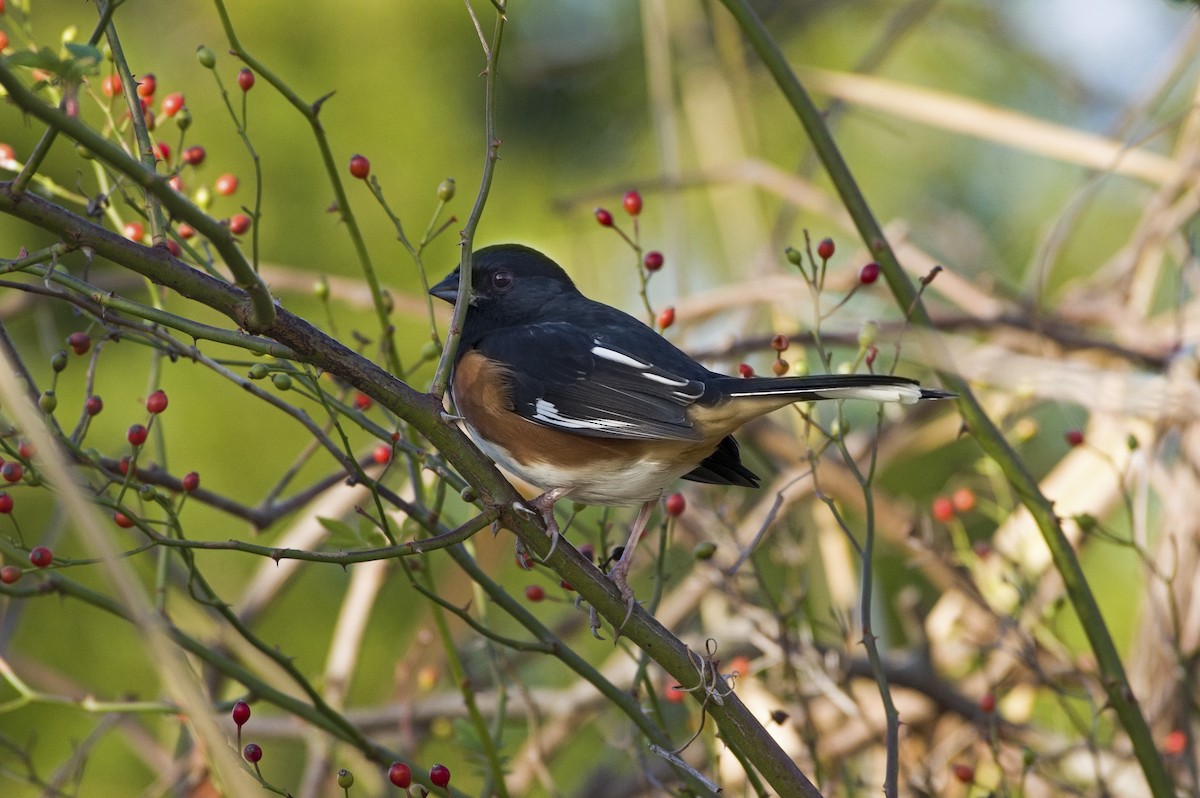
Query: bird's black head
x=510, y=283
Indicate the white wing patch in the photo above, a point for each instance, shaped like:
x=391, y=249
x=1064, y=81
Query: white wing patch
x=547, y=412
x=674, y=382
x=617, y=357
x=651, y=372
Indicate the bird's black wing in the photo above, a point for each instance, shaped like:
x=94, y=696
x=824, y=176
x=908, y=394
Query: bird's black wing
x=565, y=378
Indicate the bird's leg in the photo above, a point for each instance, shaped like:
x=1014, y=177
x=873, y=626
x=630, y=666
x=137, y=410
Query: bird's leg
x=620, y=572
x=544, y=506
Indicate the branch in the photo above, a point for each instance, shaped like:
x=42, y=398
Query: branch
x=261, y=304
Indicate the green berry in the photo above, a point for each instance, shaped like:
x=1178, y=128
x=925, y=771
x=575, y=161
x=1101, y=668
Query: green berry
x=206, y=57
x=282, y=381
x=258, y=371
x=445, y=189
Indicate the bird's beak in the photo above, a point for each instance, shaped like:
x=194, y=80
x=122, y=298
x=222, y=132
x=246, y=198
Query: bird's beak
x=447, y=289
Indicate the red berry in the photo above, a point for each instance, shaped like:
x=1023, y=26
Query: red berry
x=122, y=520
x=565, y=585
x=40, y=557
x=780, y=343
x=360, y=167
x=25, y=449
x=162, y=151
x=174, y=248
x=111, y=85
x=12, y=471
x=653, y=261
x=362, y=401
x=825, y=249
x=6, y=504
x=1074, y=437
x=1174, y=744
x=194, y=155
x=252, y=752
x=400, y=774
x=604, y=217
x=134, y=231
x=672, y=694
x=172, y=103
x=676, y=504
x=9, y=574
x=963, y=500
x=740, y=666
x=745, y=370
x=147, y=85
x=988, y=703
x=123, y=465
x=943, y=510
x=7, y=153
x=964, y=773
x=239, y=223
x=779, y=367
x=633, y=203
x=226, y=184
x=666, y=318
x=241, y=713
x=872, y=353
x=439, y=775
x=382, y=454
x=535, y=593
x=3, y=36
x=190, y=481
x=246, y=79
x=869, y=273
x=177, y=186
x=157, y=401
x=186, y=231
x=93, y=405
x=137, y=434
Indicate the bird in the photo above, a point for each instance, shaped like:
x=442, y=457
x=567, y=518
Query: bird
x=586, y=402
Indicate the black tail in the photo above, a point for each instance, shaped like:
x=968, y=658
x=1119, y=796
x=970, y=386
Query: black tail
x=879, y=388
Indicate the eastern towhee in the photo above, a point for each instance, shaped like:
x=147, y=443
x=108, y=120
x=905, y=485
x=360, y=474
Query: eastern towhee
x=585, y=401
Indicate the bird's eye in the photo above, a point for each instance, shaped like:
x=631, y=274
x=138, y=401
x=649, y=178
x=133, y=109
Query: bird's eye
x=502, y=280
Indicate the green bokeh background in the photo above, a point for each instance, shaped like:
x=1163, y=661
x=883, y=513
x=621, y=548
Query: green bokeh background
x=579, y=126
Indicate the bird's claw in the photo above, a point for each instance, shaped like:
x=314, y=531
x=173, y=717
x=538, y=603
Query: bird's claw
x=594, y=623
x=524, y=509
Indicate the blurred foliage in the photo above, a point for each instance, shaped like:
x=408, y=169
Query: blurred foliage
x=582, y=119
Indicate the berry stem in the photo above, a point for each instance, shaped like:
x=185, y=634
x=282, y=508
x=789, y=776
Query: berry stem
x=441, y=377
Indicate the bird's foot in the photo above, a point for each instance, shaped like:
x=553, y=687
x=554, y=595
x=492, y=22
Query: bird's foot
x=594, y=623
x=544, y=506
x=620, y=577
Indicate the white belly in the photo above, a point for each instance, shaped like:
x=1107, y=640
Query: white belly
x=645, y=481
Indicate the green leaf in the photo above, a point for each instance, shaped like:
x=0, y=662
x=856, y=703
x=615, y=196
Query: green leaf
x=87, y=56
x=44, y=58
x=341, y=534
